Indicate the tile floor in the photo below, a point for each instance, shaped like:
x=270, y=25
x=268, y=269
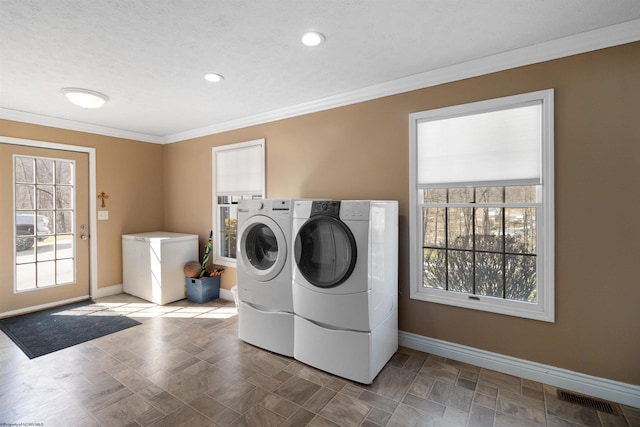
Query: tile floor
x=184, y=366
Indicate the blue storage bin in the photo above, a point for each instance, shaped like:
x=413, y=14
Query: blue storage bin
x=203, y=290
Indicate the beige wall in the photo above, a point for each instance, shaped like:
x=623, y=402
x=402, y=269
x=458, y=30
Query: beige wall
x=361, y=151
x=130, y=172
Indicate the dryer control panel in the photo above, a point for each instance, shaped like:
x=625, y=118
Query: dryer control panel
x=355, y=210
x=325, y=207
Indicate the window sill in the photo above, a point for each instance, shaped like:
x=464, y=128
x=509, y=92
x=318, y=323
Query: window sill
x=535, y=311
x=227, y=262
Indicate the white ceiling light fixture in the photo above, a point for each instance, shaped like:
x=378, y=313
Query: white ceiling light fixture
x=312, y=39
x=213, y=77
x=85, y=98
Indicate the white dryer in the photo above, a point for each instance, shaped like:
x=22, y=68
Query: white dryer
x=264, y=274
x=345, y=285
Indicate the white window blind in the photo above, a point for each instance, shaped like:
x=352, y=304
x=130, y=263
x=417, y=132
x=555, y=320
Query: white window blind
x=240, y=170
x=488, y=147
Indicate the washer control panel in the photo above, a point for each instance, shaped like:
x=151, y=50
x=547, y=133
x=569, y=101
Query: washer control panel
x=280, y=205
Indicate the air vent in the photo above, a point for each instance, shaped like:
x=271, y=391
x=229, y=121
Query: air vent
x=588, y=402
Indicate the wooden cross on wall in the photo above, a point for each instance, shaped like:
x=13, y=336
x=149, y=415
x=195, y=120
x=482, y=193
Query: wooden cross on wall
x=103, y=196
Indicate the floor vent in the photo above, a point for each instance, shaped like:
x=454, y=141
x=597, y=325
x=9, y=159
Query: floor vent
x=588, y=402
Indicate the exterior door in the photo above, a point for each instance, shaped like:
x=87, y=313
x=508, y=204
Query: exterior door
x=44, y=226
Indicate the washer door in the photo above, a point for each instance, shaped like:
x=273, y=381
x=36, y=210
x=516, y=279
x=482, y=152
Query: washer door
x=263, y=248
x=325, y=251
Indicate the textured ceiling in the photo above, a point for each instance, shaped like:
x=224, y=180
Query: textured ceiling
x=150, y=56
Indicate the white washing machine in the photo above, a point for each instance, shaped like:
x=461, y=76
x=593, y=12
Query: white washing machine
x=345, y=285
x=265, y=309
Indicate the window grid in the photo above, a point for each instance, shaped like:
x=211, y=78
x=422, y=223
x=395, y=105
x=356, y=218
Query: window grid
x=228, y=222
x=474, y=205
x=39, y=265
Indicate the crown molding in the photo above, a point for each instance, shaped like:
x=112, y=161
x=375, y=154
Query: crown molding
x=38, y=119
x=571, y=45
x=601, y=38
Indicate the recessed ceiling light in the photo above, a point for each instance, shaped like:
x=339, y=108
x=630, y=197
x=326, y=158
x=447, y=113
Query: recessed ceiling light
x=312, y=38
x=212, y=77
x=85, y=98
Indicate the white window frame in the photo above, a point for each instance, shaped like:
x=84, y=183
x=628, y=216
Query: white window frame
x=217, y=244
x=544, y=308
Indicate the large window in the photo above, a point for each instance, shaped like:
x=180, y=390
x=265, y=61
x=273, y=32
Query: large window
x=481, y=219
x=238, y=173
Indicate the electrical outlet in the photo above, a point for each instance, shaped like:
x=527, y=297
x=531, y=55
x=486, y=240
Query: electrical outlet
x=103, y=215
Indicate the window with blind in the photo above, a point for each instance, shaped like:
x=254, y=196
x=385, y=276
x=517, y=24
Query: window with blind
x=481, y=196
x=238, y=173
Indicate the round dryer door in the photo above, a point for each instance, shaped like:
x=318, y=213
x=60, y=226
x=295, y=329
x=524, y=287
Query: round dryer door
x=325, y=251
x=263, y=246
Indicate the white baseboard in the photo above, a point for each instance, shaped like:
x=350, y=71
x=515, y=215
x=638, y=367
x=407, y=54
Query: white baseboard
x=226, y=294
x=117, y=289
x=107, y=291
x=627, y=394
x=42, y=306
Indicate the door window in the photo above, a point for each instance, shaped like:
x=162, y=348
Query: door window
x=261, y=247
x=325, y=251
x=44, y=222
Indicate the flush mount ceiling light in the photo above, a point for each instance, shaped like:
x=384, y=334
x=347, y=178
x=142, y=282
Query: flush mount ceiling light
x=213, y=77
x=312, y=39
x=85, y=98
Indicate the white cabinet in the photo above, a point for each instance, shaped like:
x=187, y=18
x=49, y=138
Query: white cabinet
x=152, y=264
